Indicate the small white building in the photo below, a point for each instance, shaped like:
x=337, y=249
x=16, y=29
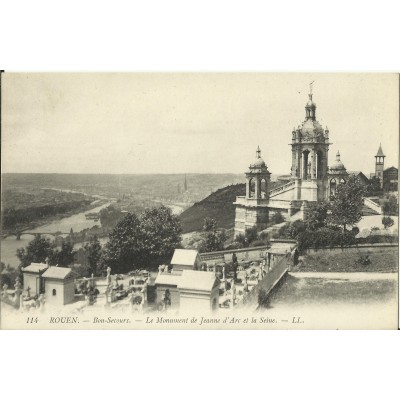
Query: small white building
x=199, y=292
x=184, y=259
x=190, y=291
x=59, y=286
x=33, y=277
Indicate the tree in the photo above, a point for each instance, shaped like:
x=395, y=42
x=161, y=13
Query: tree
x=374, y=187
x=251, y=234
x=147, y=240
x=65, y=256
x=37, y=251
x=213, y=239
x=390, y=207
x=93, y=251
x=317, y=215
x=348, y=203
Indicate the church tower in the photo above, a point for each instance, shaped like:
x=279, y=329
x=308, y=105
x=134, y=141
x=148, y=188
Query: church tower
x=310, y=146
x=251, y=210
x=379, y=165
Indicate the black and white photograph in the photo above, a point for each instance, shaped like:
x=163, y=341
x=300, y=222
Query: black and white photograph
x=243, y=200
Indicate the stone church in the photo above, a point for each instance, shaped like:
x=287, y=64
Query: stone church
x=310, y=179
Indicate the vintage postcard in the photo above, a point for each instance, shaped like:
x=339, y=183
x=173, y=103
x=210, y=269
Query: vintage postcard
x=199, y=201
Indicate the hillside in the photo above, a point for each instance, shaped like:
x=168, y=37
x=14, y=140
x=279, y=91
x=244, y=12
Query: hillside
x=218, y=205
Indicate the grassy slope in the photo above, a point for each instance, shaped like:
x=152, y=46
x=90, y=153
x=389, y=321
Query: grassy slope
x=382, y=260
x=218, y=205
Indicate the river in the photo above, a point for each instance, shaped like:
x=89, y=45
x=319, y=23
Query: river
x=76, y=222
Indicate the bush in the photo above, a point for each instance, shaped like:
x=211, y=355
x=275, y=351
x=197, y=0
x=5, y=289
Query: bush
x=387, y=222
x=277, y=218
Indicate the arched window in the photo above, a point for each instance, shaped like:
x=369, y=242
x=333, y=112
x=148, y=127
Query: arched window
x=252, y=188
x=333, y=187
x=264, y=188
x=54, y=292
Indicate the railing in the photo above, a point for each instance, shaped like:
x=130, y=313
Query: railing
x=271, y=279
x=372, y=205
x=280, y=189
x=250, y=201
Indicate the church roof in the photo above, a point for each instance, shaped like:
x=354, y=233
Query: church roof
x=380, y=152
x=57, y=273
x=35, y=268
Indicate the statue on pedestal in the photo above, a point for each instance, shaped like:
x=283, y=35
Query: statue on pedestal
x=42, y=300
x=233, y=293
x=108, y=277
x=245, y=286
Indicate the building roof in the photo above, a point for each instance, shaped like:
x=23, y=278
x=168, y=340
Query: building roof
x=358, y=173
x=390, y=169
x=168, y=279
x=380, y=152
x=184, y=257
x=198, y=280
x=57, y=273
x=35, y=268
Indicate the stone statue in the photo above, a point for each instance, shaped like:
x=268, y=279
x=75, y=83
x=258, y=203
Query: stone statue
x=18, y=284
x=233, y=293
x=108, y=278
x=42, y=300
x=167, y=299
x=144, y=292
x=5, y=287
x=245, y=286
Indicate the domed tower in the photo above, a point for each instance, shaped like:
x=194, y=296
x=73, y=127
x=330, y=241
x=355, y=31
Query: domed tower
x=337, y=175
x=257, y=179
x=310, y=146
x=252, y=209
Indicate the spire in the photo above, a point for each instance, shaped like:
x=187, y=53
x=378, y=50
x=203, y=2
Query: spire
x=380, y=152
x=258, y=152
x=338, y=156
x=310, y=106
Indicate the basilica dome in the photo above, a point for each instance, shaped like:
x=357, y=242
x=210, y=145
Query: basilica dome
x=310, y=127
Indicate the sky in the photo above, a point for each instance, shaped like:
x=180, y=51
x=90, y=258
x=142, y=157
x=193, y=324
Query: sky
x=138, y=123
